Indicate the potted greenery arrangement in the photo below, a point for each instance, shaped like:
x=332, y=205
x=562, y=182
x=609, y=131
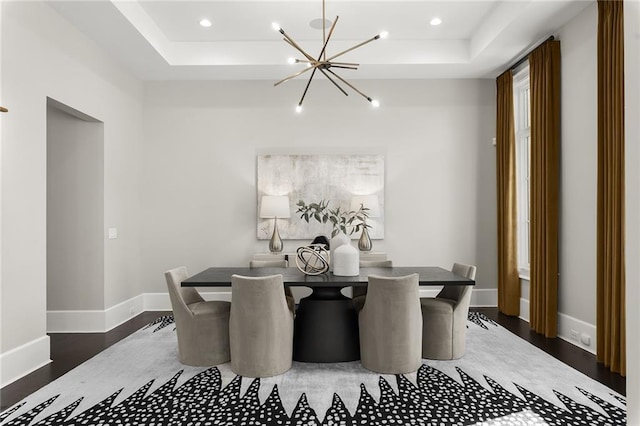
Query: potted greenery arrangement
x=341, y=220
x=344, y=259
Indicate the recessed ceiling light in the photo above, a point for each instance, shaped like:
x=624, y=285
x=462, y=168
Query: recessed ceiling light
x=317, y=23
x=205, y=23
x=436, y=21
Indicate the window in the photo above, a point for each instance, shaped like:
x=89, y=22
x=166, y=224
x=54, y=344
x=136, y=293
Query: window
x=521, y=102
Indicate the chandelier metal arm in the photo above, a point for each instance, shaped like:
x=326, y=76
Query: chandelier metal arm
x=342, y=66
x=350, y=64
x=298, y=48
x=323, y=63
x=376, y=37
x=307, y=87
x=350, y=85
x=324, y=46
x=292, y=76
x=333, y=81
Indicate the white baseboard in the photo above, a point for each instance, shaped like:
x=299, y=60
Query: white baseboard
x=480, y=297
x=75, y=321
x=484, y=297
x=100, y=321
x=524, y=310
x=428, y=292
x=570, y=329
x=94, y=321
x=584, y=336
x=18, y=362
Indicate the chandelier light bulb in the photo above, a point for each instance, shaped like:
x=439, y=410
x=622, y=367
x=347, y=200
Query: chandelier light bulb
x=205, y=23
x=299, y=109
x=375, y=103
x=384, y=34
x=275, y=26
x=436, y=21
x=291, y=60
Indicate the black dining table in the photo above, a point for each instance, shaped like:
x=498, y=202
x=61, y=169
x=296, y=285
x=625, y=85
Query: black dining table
x=326, y=323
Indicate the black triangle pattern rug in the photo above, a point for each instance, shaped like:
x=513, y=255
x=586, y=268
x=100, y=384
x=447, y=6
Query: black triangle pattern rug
x=435, y=399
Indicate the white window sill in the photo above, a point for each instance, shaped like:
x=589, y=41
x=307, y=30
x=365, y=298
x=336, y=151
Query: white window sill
x=524, y=274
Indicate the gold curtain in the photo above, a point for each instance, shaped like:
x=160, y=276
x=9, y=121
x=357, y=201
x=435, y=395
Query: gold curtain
x=508, y=279
x=544, y=74
x=610, y=301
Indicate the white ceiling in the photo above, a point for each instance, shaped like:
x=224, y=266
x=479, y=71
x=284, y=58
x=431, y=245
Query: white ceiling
x=162, y=40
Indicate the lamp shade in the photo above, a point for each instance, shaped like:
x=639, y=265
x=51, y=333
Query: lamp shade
x=274, y=206
x=367, y=201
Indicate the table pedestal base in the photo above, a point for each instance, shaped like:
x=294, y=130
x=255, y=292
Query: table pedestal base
x=326, y=328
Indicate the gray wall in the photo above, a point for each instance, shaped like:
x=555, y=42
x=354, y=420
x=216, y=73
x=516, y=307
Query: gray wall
x=195, y=163
x=202, y=138
x=632, y=153
x=577, y=284
x=75, y=212
x=61, y=64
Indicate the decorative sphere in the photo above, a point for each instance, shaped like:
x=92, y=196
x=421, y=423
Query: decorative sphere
x=313, y=259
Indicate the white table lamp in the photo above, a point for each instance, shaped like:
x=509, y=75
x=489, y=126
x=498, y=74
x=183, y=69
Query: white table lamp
x=274, y=207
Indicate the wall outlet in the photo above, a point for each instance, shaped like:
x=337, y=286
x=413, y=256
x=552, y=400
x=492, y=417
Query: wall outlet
x=585, y=339
x=575, y=335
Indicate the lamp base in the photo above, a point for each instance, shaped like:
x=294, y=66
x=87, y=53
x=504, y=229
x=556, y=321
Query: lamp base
x=275, y=243
x=364, y=243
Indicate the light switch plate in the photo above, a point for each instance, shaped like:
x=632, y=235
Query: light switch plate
x=113, y=233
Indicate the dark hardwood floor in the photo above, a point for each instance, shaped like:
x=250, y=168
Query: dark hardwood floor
x=578, y=358
x=71, y=350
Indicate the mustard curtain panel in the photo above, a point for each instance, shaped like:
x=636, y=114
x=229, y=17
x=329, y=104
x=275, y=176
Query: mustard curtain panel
x=544, y=69
x=610, y=323
x=508, y=279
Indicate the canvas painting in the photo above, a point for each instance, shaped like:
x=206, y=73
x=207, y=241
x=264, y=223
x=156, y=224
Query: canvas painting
x=312, y=178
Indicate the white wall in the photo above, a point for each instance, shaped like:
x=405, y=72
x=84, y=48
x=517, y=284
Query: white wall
x=577, y=292
x=202, y=138
x=42, y=55
x=75, y=212
x=632, y=152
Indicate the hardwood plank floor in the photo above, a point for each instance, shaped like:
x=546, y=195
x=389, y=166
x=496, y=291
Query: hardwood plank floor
x=69, y=350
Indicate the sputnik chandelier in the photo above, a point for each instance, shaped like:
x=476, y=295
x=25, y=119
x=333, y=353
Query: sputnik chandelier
x=322, y=63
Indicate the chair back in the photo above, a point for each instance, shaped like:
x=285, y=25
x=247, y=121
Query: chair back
x=388, y=294
x=361, y=291
x=180, y=296
x=391, y=325
x=458, y=292
x=269, y=264
x=260, y=326
x=376, y=264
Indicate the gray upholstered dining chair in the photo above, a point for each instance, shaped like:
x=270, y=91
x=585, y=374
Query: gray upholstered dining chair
x=391, y=325
x=202, y=327
x=444, y=318
x=361, y=291
x=284, y=263
x=260, y=327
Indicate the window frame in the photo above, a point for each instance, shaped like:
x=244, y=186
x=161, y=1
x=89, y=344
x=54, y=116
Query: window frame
x=522, y=127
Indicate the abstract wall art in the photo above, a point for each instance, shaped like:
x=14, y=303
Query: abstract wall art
x=313, y=178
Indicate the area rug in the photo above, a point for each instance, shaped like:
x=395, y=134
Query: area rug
x=501, y=380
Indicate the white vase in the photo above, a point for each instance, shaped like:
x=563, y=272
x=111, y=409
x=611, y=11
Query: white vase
x=346, y=261
x=340, y=239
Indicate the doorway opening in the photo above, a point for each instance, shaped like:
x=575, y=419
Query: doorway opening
x=75, y=216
